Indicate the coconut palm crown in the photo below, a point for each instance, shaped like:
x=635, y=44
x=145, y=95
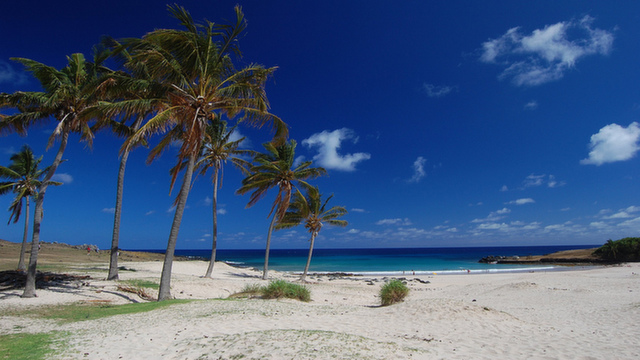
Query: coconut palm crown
x=201, y=84
x=23, y=177
x=275, y=168
x=314, y=213
x=66, y=94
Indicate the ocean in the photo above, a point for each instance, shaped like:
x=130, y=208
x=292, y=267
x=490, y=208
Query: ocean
x=395, y=261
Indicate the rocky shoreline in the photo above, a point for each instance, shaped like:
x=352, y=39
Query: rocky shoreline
x=569, y=257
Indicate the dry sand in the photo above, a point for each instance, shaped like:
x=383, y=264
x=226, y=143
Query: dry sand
x=579, y=314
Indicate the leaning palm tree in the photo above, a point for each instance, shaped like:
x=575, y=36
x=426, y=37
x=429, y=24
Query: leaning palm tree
x=67, y=92
x=196, y=69
x=314, y=213
x=216, y=150
x=275, y=168
x=23, y=177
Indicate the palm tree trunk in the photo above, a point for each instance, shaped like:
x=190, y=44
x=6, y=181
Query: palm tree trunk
x=115, y=239
x=113, y=263
x=215, y=223
x=306, y=268
x=165, y=280
x=23, y=248
x=30, y=286
x=265, y=273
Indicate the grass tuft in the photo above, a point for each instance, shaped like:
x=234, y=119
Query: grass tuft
x=281, y=289
x=275, y=290
x=393, y=292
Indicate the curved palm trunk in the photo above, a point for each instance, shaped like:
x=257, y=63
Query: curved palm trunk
x=115, y=239
x=113, y=263
x=30, y=286
x=215, y=224
x=23, y=248
x=265, y=273
x=306, y=268
x=165, y=280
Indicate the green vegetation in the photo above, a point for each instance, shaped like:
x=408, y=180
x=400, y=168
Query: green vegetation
x=393, y=292
x=82, y=312
x=141, y=283
x=627, y=249
x=276, y=289
x=28, y=346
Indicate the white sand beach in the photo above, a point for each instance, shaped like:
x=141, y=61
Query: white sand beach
x=579, y=314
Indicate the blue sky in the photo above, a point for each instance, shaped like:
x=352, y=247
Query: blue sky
x=450, y=123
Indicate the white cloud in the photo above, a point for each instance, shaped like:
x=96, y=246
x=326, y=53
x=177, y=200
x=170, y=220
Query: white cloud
x=8, y=151
x=613, y=143
x=545, y=54
x=222, y=211
x=358, y=210
x=397, y=221
x=531, y=105
x=353, y=231
x=8, y=74
x=207, y=201
x=534, y=180
x=418, y=169
x=109, y=210
x=438, y=91
x=624, y=213
x=328, y=144
x=493, y=216
x=522, y=201
x=504, y=188
x=63, y=178
x=150, y=212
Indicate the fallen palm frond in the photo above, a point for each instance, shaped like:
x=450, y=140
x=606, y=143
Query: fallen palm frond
x=141, y=292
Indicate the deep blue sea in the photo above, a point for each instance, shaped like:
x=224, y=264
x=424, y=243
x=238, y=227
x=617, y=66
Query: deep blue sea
x=383, y=261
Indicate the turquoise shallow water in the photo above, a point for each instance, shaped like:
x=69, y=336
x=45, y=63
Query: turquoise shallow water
x=383, y=261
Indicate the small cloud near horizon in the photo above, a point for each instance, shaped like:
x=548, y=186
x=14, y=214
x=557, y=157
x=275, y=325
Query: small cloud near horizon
x=522, y=201
x=109, y=210
x=396, y=221
x=531, y=105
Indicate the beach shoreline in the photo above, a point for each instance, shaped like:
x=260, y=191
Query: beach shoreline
x=586, y=314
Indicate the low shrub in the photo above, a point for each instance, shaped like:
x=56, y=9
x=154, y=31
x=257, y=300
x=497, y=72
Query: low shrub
x=275, y=290
x=281, y=289
x=393, y=292
x=627, y=249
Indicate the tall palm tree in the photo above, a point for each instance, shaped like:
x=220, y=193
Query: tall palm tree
x=129, y=98
x=216, y=150
x=275, y=169
x=24, y=179
x=67, y=92
x=196, y=69
x=314, y=213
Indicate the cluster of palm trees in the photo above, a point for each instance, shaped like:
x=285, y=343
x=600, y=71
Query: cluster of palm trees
x=183, y=85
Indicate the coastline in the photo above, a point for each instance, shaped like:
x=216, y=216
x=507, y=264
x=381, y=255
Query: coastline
x=578, y=314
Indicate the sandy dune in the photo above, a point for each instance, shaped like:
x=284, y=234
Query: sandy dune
x=580, y=314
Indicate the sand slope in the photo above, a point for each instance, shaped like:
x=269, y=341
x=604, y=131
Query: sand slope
x=580, y=314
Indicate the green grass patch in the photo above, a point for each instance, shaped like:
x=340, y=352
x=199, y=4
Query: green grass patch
x=275, y=290
x=281, y=289
x=29, y=346
x=393, y=292
x=142, y=283
x=82, y=312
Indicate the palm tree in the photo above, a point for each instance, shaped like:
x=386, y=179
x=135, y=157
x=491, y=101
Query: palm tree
x=67, y=92
x=24, y=179
x=131, y=100
x=216, y=150
x=314, y=213
x=275, y=169
x=201, y=83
